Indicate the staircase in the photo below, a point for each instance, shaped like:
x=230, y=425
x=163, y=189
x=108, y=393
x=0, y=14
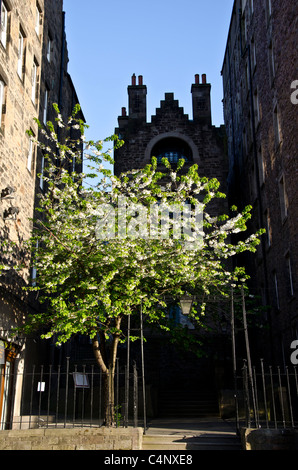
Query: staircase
x=203, y=441
x=188, y=404
x=189, y=420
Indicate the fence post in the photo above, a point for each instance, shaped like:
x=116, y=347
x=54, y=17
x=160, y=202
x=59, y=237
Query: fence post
x=135, y=395
x=117, y=393
x=31, y=397
x=234, y=361
x=248, y=354
x=40, y=394
x=91, y=397
x=264, y=392
x=66, y=390
x=290, y=398
x=127, y=373
x=125, y=421
x=281, y=398
x=246, y=392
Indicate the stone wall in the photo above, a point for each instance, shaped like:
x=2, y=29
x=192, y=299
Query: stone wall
x=259, y=67
x=22, y=103
x=72, y=439
x=269, y=439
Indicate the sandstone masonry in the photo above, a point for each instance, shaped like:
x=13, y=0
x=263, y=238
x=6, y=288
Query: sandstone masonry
x=259, y=67
x=33, y=76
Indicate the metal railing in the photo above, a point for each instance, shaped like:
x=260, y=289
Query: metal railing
x=267, y=397
x=68, y=396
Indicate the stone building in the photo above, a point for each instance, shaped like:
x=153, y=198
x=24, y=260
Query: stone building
x=259, y=75
x=173, y=134
x=33, y=76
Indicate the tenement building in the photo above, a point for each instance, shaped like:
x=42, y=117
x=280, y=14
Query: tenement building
x=260, y=111
x=33, y=76
x=172, y=134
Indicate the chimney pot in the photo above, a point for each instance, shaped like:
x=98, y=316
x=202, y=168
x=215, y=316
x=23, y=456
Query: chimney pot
x=197, y=79
x=204, y=79
x=123, y=112
x=133, y=79
x=140, y=80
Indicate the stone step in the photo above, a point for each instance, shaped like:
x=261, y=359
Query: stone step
x=188, y=404
x=204, y=442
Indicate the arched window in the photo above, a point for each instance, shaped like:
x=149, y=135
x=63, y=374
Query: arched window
x=173, y=149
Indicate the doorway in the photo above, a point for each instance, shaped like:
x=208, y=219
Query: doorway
x=6, y=389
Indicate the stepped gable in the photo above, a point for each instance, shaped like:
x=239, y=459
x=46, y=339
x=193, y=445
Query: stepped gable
x=171, y=133
x=169, y=108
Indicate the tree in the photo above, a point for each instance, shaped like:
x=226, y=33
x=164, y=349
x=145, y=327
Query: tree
x=100, y=254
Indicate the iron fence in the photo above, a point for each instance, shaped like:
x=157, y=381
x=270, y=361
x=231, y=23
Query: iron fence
x=69, y=396
x=267, y=397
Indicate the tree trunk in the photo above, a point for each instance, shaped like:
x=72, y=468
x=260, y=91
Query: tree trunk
x=108, y=370
x=108, y=399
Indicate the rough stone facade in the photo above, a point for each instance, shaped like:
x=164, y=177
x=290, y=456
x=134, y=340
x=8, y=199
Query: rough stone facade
x=110, y=439
x=33, y=76
x=171, y=132
x=259, y=68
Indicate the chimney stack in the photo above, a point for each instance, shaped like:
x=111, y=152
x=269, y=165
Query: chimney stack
x=201, y=103
x=137, y=104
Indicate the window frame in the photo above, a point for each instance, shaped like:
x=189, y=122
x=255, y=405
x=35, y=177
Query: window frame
x=277, y=126
x=276, y=289
x=290, y=274
x=38, y=19
x=4, y=31
x=34, y=80
x=21, y=54
x=30, y=155
x=45, y=105
x=283, y=198
x=49, y=48
x=2, y=99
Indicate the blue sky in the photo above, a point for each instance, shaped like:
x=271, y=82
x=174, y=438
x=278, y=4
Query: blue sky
x=166, y=41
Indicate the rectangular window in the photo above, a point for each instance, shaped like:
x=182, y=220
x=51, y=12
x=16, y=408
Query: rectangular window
x=268, y=228
x=251, y=7
x=256, y=108
x=277, y=126
x=276, y=290
x=30, y=157
x=34, y=81
x=49, y=49
x=2, y=90
x=37, y=20
x=4, y=24
x=261, y=166
x=21, y=54
x=45, y=106
x=41, y=172
x=34, y=270
x=290, y=275
x=284, y=205
x=253, y=55
x=271, y=61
